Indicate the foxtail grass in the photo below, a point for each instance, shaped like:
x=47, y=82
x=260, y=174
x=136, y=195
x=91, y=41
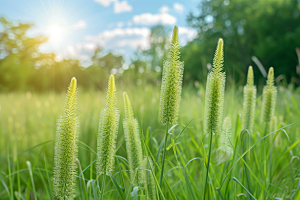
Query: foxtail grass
x=268, y=111
x=269, y=98
x=133, y=144
x=107, y=132
x=249, y=102
x=107, y=135
x=225, y=151
x=64, y=181
x=151, y=190
x=214, y=100
x=170, y=94
x=226, y=135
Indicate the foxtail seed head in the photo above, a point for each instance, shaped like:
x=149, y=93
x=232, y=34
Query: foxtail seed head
x=107, y=132
x=273, y=124
x=133, y=144
x=171, y=84
x=214, y=97
x=64, y=181
x=249, y=102
x=226, y=133
x=225, y=151
x=269, y=98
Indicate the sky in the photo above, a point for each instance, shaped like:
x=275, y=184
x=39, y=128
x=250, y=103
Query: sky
x=76, y=27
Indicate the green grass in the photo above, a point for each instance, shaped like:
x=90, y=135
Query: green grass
x=27, y=133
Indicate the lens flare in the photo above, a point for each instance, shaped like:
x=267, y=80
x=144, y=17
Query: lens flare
x=56, y=34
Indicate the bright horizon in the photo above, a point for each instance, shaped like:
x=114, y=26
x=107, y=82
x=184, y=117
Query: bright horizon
x=76, y=28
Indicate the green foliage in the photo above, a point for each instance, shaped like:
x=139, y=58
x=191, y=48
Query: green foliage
x=133, y=144
x=16, y=50
x=28, y=140
x=107, y=133
x=269, y=98
x=171, y=84
x=151, y=190
x=23, y=67
x=214, y=97
x=249, y=102
x=267, y=29
x=65, y=170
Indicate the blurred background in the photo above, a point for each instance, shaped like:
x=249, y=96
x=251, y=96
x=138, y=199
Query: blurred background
x=45, y=43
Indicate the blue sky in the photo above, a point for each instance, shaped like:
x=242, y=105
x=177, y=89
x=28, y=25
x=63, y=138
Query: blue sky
x=76, y=27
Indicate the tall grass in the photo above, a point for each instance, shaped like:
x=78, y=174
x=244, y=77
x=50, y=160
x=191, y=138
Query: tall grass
x=64, y=180
x=28, y=124
x=214, y=100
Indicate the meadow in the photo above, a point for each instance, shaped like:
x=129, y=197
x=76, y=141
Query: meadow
x=251, y=156
x=28, y=126
x=161, y=120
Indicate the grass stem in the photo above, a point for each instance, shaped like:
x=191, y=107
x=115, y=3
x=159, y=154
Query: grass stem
x=164, y=157
x=103, y=185
x=208, y=162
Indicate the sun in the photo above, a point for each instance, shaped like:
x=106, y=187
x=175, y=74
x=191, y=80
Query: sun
x=56, y=34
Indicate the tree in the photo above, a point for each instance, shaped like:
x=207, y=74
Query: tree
x=159, y=44
x=18, y=53
x=267, y=29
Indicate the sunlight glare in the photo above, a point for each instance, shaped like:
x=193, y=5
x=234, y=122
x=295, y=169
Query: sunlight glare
x=56, y=34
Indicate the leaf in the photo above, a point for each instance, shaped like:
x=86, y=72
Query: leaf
x=243, y=187
x=119, y=189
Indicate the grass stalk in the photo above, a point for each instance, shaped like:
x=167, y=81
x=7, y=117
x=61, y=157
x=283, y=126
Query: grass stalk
x=208, y=162
x=103, y=185
x=9, y=176
x=164, y=157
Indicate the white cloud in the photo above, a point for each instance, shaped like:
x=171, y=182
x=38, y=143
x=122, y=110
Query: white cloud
x=151, y=19
x=119, y=6
x=164, y=9
x=120, y=24
x=126, y=37
x=104, y=3
x=81, y=24
x=80, y=51
x=178, y=7
x=186, y=34
x=122, y=6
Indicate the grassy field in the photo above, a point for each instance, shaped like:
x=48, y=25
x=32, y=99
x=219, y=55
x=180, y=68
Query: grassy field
x=27, y=134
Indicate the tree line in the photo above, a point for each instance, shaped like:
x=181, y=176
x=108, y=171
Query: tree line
x=257, y=32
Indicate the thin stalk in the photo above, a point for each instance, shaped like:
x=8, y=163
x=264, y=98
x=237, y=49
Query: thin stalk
x=208, y=162
x=245, y=169
x=10, y=176
x=103, y=184
x=164, y=157
x=18, y=178
x=82, y=181
x=264, y=159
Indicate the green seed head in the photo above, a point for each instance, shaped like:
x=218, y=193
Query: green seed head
x=226, y=133
x=225, y=151
x=64, y=181
x=107, y=132
x=214, y=97
x=133, y=144
x=269, y=98
x=171, y=84
x=249, y=102
x=273, y=124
